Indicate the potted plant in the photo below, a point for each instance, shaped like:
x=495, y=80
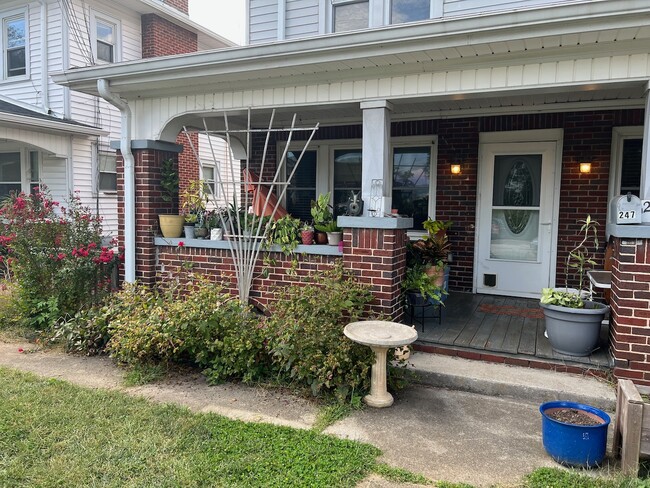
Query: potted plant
x=333, y=231
x=171, y=226
x=432, y=251
x=195, y=200
x=321, y=212
x=285, y=232
x=307, y=235
x=574, y=434
x=572, y=322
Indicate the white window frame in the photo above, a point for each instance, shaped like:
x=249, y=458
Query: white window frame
x=435, y=11
x=336, y=3
x=106, y=19
x=4, y=18
x=25, y=164
x=619, y=135
x=213, y=183
x=325, y=164
x=430, y=141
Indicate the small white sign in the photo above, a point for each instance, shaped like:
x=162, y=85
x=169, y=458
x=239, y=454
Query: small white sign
x=645, y=206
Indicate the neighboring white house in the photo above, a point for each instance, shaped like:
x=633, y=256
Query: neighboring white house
x=52, y=135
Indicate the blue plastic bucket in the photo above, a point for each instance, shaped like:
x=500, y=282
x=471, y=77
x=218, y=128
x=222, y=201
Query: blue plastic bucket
x=575, y=445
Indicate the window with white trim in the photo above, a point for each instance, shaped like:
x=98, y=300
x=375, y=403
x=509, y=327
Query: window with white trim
x=625, y=168
x=10, y=173
x=105, y=38
x=14, y=42
x=347, y=175
x=107, y=162
x=402, y=11
x=412, y=182
x=350, y=15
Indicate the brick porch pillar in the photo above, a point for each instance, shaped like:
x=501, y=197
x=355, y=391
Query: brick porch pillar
x=375, y=250
x=148, y=156
x=630, y=302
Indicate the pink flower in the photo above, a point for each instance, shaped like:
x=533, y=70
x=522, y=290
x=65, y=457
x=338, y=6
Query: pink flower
x=21, y=350
x=181, y=244
x=60, y=256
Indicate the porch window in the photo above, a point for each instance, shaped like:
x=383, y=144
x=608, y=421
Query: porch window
x=347, y=174
x=107, y=172
x=411, y=182
x=302, y=188
x=349, y=15
x=10, y=173
x=15, y=43
x=631, y=167
x=34, y=171
x=409, y=10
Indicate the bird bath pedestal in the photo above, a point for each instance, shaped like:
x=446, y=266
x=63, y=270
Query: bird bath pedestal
x=379, y=336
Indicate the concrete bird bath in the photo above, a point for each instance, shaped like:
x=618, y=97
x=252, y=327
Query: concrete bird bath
x=379, y=336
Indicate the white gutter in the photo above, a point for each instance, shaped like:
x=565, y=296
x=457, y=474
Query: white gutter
x=45, y=89
x=103, y=87
x=45, y=125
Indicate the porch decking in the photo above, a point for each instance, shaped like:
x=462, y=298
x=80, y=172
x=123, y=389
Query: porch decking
x=468, y=328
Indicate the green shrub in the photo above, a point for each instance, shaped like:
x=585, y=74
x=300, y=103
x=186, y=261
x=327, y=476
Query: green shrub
x=306, y=338
x=55, y=256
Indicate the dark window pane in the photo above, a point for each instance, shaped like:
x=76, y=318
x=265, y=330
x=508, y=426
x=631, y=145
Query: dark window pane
x=631, y=167
x=16, y=62
x=411, y=173
x=409, y=10
x=347, y=175
x=7, y=188
x=104, y=52
x=350, y=16
x=108, y=181
x=10, y=168
x=302, y=187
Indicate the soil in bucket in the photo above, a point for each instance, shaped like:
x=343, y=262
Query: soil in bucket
x=573, y=416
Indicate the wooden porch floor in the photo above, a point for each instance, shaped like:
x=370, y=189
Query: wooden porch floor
x=488, y=325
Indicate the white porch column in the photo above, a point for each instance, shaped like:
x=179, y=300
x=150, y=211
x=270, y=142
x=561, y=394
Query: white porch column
x=645, y=152
x=375, y=161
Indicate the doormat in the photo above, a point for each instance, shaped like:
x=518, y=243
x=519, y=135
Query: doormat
x=529, y=313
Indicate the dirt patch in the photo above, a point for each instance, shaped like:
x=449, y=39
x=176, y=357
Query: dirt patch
x=573, y=416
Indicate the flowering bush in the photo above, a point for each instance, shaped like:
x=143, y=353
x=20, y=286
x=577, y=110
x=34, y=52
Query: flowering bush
x=54, y=253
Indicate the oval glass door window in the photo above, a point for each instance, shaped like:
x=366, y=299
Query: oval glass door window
x=518, y=192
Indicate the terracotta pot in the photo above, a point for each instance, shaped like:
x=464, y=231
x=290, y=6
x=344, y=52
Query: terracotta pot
x=437, y=275
x=307, y=237
x=321, y=238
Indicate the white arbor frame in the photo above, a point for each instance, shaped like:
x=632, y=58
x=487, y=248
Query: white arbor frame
x=245, y=237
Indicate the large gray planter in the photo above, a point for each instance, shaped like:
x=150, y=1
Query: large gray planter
x=574, y=331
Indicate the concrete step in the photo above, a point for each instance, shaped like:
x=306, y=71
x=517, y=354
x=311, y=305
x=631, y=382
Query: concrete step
x=534, y=385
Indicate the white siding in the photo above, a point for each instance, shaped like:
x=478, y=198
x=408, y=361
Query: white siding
x=301, y=18
x=214, y=151
x=53, y=174
x=263, y=21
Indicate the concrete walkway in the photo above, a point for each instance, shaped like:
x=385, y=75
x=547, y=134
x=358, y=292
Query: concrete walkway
x=487, y=435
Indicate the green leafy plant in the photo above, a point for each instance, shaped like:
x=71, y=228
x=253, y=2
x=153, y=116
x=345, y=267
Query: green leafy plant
x=580, y=258
x=433, y=248
x=305, y=330
x=328, y=227
x=321, y=210
x=285, y=232
x=55, y=256
x=168, y=181
x=417, y=280
x=195, y=200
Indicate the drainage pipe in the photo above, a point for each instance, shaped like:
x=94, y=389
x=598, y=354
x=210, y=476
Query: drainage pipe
x=103, y=87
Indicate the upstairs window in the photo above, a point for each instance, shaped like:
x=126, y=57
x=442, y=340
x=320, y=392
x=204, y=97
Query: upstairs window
x=15, y=42
x=105, y=41
x=350, y=15
x=409, y=10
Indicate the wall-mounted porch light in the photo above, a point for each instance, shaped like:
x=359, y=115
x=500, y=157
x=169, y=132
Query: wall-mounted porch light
x=585, y=167
x=455, y=169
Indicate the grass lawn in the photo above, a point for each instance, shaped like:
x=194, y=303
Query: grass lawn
x=53, y=433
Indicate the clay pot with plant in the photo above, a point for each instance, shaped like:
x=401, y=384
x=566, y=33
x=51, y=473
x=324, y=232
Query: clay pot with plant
x=321, y=213
x=307, y=235
x=171, y=225
x=572, y=322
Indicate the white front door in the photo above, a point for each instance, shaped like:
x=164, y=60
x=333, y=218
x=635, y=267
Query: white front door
x=516, y=233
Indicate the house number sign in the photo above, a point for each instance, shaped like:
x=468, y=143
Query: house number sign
x=645, y=208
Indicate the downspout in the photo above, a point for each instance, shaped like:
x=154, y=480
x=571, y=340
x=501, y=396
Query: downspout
x=45, y=89
x=103, y=87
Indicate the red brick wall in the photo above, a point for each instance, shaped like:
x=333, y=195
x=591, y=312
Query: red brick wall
x=188, y=166
x=162, y=38
x=376, y=257
x=181, y=5
x=630, y=316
